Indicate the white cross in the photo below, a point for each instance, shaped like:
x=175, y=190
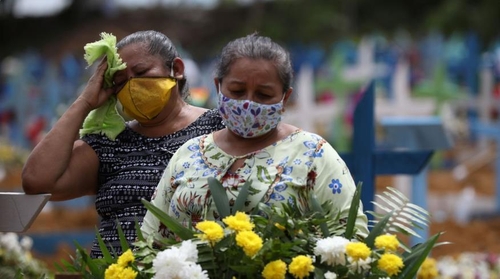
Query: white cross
x=402, y=104
x=365, y=68
x=305, y=113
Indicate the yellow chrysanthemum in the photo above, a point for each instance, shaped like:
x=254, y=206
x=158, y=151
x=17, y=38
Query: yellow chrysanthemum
x=428, y=269
x=239, y=222
x=249, y=241
x=390, y=263
x=112, y=271
x=274, y=270
x=301, y=266
x=126, y=258
x=128, y=273
x=279, y=226
x=115, y=271
x=388, y=242
x=357, y=250
x=212, y=231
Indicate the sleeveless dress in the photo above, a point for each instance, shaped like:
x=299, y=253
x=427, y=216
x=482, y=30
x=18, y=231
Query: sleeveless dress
x=130, y=168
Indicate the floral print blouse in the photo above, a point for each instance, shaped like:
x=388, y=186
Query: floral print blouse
x=293, y=166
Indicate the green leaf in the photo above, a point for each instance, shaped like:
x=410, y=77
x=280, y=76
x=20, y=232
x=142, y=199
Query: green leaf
x=94, y=269
x=140, y=236
x=121, y=236
x=413, y=261
x=172, y=224
x=317, y=207
x=377, y=230
x=219, y=196
x=239, y=204
x=104, y=249
x=353, y=212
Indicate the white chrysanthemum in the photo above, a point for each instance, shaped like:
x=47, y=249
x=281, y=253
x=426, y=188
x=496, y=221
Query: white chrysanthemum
x=178, y=263
x=26, y=243
x=330, y=275
x=331, y=250
x=192, y=271
x=10, y=241
x=359, y=265
x=167, y=264
x=188, y=251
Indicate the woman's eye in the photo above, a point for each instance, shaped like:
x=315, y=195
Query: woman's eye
x=265, y=96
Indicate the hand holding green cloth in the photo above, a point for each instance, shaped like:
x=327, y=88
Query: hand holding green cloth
x=105, y=119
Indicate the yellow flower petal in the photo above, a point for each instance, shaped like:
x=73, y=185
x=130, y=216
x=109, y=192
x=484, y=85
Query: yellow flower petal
x=390, y=263
x=388, y=242
x=358, y=250
x=249, y=241
x=274, y=270
x=301, y=266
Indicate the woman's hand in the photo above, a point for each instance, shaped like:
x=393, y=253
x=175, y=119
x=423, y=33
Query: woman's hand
x=94, y=94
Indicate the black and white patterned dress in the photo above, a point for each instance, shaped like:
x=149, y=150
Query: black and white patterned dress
x=130, y=168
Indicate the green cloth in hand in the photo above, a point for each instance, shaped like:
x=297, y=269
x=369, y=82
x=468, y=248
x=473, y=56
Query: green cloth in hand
x=105, y=119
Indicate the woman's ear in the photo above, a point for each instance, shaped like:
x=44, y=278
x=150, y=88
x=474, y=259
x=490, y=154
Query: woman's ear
x=178, y=66
x=288, y=93
x=217, y=84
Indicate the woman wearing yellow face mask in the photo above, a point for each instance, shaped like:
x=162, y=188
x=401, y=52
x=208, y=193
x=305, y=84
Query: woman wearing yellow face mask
x=121, y=171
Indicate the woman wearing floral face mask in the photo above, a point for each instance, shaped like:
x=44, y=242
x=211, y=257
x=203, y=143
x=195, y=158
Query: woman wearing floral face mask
x=121, y=171
x=253, y=78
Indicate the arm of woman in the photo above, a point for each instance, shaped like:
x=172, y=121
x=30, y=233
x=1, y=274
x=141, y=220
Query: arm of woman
x=60, y=164
x=334, y=182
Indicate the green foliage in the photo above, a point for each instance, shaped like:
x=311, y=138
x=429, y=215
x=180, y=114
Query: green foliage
x=286, y=232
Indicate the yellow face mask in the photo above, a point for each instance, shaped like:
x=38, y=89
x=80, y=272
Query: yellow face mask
x=143, y=98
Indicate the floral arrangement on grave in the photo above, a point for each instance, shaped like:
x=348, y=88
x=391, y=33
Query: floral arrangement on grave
x=272, y=243
x=16, y=260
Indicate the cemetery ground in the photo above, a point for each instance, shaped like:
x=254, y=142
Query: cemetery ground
x=478, y=231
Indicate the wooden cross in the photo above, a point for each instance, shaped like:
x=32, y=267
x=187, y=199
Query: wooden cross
x=365, y=161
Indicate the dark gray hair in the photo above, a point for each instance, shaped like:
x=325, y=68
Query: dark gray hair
x=160, y=45
x=255, y=46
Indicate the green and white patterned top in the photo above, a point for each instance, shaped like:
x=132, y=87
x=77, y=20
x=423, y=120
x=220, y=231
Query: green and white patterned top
x=293, y=166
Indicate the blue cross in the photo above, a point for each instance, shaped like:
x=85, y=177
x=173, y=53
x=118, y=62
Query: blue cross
x=365, y=161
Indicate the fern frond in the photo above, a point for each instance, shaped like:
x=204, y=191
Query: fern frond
x=417, y=208
x=388, y=201
x=402, y=228
x=399, y=194
x=417, y=218
x=406, y=216
x=381, y=207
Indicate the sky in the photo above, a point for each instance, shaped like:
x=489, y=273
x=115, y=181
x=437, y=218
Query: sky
x=35, y=8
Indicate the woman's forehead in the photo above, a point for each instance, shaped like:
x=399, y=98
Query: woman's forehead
x=249, y=67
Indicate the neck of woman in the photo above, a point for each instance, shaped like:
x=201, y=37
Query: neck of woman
x=236, y=145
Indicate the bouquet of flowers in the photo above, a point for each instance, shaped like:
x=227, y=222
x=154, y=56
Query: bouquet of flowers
x=272, y=243
x=16, y=260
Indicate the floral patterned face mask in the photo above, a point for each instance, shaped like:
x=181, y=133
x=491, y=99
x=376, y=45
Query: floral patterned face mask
x=249, y=119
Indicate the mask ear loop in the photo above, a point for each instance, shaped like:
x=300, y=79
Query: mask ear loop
x=172, y=70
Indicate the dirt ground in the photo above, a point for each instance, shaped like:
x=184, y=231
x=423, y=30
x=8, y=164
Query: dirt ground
x=480, y=234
